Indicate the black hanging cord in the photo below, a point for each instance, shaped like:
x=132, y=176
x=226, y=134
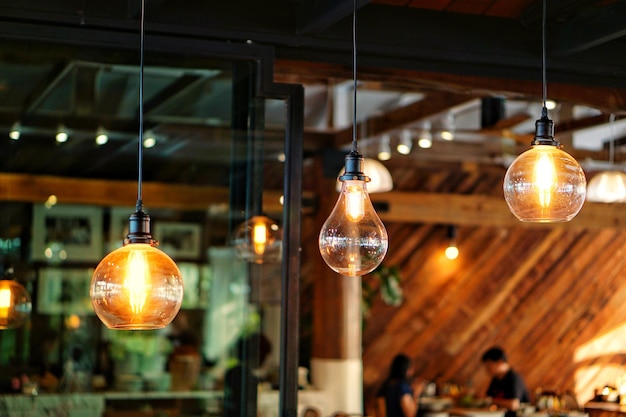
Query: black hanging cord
x=543, y=60
x=354, y=160
x=139, y=222
x=544, y=127
x=139, y=206
x=354, y=83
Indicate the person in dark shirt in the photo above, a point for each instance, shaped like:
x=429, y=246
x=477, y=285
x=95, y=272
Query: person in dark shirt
x=507, y=388
x=240, y=382
x=399, y=394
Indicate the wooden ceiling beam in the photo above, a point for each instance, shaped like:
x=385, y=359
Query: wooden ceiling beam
x=434, y=102
x=402, y=207
x=483, y=210
x=108, y=193
x=607, y=99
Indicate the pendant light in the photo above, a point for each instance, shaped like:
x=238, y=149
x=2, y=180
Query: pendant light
x=608, y=186
x=544, y=184
x=452, y=251
x=137, y=286
x=259, y=240
x=15, y=302
x=353, y=240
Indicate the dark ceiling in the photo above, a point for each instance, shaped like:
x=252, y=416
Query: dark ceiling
x=76, y=63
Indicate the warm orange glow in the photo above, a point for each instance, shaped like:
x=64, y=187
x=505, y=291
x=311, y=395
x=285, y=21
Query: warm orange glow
x=5, y=302
x=136, y=287
x=452, y=252
x=353, y=240
x=355, y=205
x=545, y=184
x=592, y=375
x=72, y=322
x=136, y=280
x=259, y=237
x=544, y=175
x=15, y=304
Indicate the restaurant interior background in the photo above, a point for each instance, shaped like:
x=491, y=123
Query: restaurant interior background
x=552, y=296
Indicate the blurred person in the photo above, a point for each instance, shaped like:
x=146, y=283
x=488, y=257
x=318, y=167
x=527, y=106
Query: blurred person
x=507, y=388
x=399, y=394
x=241, y=381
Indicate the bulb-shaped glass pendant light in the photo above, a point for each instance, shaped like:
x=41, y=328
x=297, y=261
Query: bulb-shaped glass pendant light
x=137, y=286
x=353, y=240
x=259, y=240
x=545, y=184
x=15, y=304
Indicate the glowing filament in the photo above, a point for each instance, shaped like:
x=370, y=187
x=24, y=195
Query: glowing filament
x=137, y=280
x=545, y=178
x=355, y=207
x=5, y=302
x=259, y=237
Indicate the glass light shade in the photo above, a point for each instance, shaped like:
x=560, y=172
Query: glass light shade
x=545, y=184
x=607, y=187
x=136, y=287
x=259, y=240
x=353, y=240
x=15, y=304
x=380, y=178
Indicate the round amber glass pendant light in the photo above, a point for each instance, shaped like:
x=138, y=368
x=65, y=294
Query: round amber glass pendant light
x=137, y=287
x=15, y=304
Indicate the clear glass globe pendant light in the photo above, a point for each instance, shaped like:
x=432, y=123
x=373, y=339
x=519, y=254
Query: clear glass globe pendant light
x=353, y=241
x=545, y=184
x=137, y=287
x=259, y=240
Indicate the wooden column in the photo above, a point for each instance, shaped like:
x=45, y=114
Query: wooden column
x=336, y=366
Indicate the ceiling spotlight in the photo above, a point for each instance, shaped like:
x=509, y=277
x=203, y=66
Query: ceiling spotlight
x=550, y=104
x=384, y=152
x=62, y=135
x=425, y=139
x=406, y=142
x=447, y=127
x=150, y=140
x=16, y=131
x=101, y=136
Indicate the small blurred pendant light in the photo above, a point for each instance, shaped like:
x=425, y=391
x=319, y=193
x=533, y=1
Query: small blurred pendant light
x=452, y=251
x=353, y=241
x=544, y=184
x=608, y=186
x=137, y=287
x=259, y=240
x=15, y=302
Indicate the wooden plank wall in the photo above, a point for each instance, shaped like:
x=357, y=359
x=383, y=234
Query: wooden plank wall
x=554, y=299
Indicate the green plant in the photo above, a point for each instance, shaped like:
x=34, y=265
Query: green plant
x=388, y=280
